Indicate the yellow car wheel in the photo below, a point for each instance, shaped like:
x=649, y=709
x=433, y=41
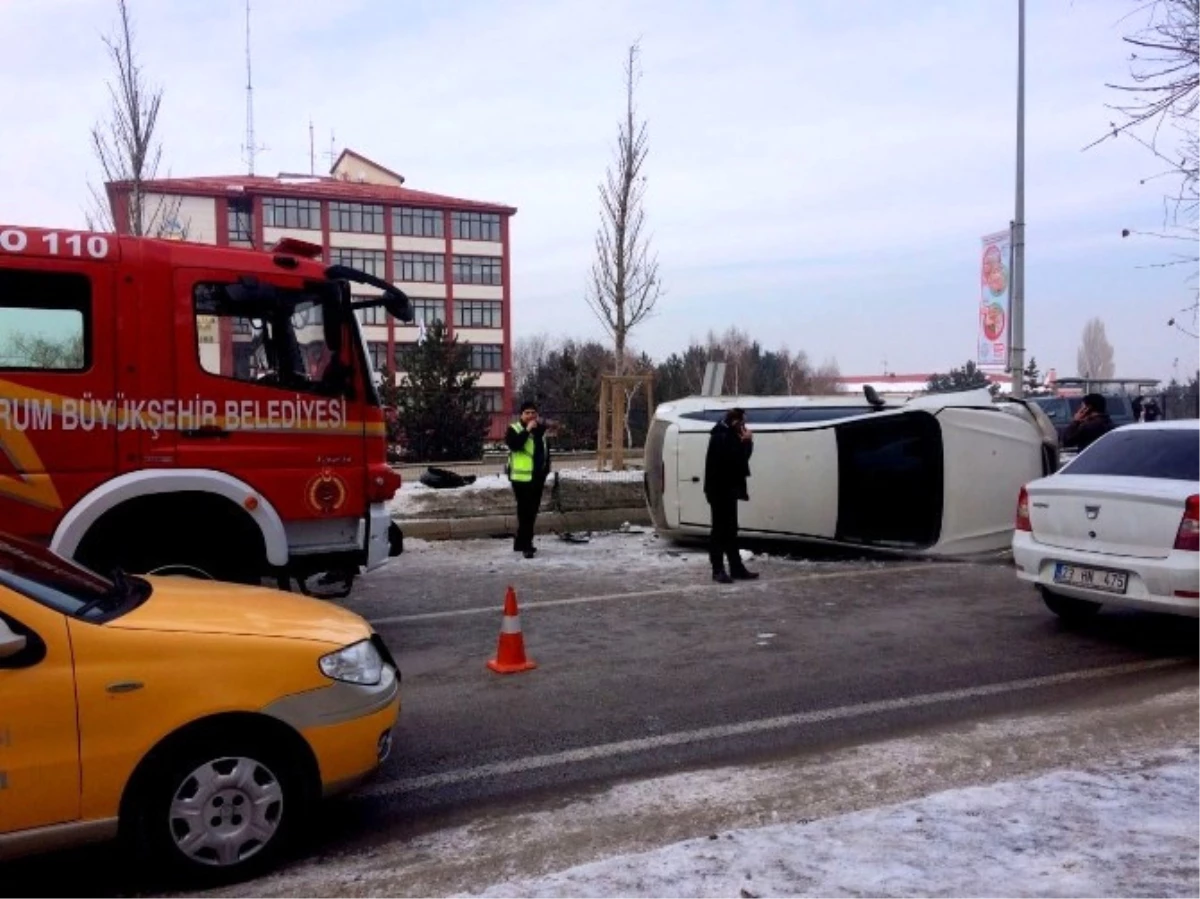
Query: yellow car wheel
x=221, y=810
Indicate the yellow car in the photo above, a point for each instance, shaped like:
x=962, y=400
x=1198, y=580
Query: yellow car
x=198, y=719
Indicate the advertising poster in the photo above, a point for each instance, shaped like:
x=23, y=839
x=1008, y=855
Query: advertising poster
x=995, y=280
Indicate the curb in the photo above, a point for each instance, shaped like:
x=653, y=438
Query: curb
x=547, y=522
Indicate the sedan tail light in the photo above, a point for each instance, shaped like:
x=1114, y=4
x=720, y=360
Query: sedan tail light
x=1023, y=522
x=1188, y=536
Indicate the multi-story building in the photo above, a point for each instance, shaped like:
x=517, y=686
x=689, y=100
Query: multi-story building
x=450, y=255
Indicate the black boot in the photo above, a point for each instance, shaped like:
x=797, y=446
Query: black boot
x=742, y=574
x=721, y=577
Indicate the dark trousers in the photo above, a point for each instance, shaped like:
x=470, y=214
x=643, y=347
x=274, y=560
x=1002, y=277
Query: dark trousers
x=529, y=500
x=723, y=539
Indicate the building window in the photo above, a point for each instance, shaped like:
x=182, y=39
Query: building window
x=428, y=268
x=477, y=314
x=487, y=357
x=475, y=226
x=378, y=351
x=410, y=222
x=369, y=261
x=476, y=269
x=370, y=315
x=402, y=354
x=286, y=212
x=241, y=221
x=356, y=217
x=426, y=310
x=491, y=400
x=45, y=320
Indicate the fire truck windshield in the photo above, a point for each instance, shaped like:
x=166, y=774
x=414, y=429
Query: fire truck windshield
x=283, y=338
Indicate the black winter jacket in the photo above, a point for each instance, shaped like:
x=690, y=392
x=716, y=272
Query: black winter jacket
x=726, y=464
x=1082, y=434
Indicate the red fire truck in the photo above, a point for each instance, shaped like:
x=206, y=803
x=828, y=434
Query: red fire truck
x=171, y=407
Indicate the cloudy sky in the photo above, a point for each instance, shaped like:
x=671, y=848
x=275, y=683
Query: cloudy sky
x=820, y=171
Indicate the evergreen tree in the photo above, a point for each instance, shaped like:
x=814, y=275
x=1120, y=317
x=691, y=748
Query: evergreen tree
x=440, y=414
x=1033, y=377
x=968, y=377
x=390, y=397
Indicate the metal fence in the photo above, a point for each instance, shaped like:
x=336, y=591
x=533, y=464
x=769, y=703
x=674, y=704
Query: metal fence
x=1181, y=404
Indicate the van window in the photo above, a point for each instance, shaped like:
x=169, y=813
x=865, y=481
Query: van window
x=279, y=345
x=890, y=480
x=1054, y=407
x=1119, y=408
x=764, y=415
x=45, y=320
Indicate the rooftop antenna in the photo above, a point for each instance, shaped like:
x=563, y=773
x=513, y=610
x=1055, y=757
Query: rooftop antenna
x=332, y=154
x=250, y=148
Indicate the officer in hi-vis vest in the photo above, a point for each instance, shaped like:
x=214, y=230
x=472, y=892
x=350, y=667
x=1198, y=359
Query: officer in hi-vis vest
x=528, y=466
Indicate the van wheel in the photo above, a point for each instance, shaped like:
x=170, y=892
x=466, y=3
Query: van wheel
x=219, y=811
x=1069, y=609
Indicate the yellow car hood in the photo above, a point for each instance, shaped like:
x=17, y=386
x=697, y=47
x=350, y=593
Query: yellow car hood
x=189, y=605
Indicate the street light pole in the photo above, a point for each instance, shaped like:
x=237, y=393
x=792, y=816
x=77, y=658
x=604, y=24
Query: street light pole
x=1017, y=309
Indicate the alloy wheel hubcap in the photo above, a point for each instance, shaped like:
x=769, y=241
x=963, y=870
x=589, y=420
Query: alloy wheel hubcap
x=226, y=811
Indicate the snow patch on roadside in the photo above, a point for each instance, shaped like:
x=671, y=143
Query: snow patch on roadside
x=414, y=497
x=1126, y=828
x=1122, y=824
x=636, y=550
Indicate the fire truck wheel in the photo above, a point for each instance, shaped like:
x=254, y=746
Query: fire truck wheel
x=177, y=534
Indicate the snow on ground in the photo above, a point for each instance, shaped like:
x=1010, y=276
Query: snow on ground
x=414, y=496
x=1123, y=828
x=636, y=549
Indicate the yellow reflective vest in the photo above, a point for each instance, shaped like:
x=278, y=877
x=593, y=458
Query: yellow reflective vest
x=520, y=462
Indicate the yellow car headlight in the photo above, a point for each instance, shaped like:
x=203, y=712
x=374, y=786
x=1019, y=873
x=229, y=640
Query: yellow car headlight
x=358, y=663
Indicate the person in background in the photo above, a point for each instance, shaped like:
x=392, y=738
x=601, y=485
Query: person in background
x=726, y=468
x=1090, y=423
x=1150, y=410
x=528, y=466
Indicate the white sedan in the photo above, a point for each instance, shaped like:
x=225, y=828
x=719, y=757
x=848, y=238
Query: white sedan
x=1118, y=525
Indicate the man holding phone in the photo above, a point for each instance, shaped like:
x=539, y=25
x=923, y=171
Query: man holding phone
x=528, y=467
x=1090, y=423
x=726, y=468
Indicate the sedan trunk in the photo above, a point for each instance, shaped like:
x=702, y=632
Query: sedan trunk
x=1120, y=516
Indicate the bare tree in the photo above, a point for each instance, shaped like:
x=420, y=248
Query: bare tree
x=824, y=379
x=528, y=355
x=23, y=350
x=735, y=345
x=125, y=144
x=1158, y=110
x=1095, y=357
x=624, y=285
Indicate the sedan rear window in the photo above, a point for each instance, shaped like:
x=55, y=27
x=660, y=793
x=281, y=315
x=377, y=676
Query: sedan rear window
x=1142, y=453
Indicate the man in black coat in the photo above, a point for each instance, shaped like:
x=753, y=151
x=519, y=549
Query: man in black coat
x=1090, y=423
x=726, y=468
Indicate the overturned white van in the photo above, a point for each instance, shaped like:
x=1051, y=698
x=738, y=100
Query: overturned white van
x=932, y=475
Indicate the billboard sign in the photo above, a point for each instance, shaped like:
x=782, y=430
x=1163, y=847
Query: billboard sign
x=995, y=281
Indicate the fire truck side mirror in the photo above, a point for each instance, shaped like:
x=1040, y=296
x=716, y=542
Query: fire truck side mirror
x=393, y=299
x=398, y=306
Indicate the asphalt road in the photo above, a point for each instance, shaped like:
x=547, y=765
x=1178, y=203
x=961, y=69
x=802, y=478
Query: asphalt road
x=646, y=667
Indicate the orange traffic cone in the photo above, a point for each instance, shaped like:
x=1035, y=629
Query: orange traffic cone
x=510, y=653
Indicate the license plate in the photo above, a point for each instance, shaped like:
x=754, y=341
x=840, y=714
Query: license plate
x=1092, y=578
